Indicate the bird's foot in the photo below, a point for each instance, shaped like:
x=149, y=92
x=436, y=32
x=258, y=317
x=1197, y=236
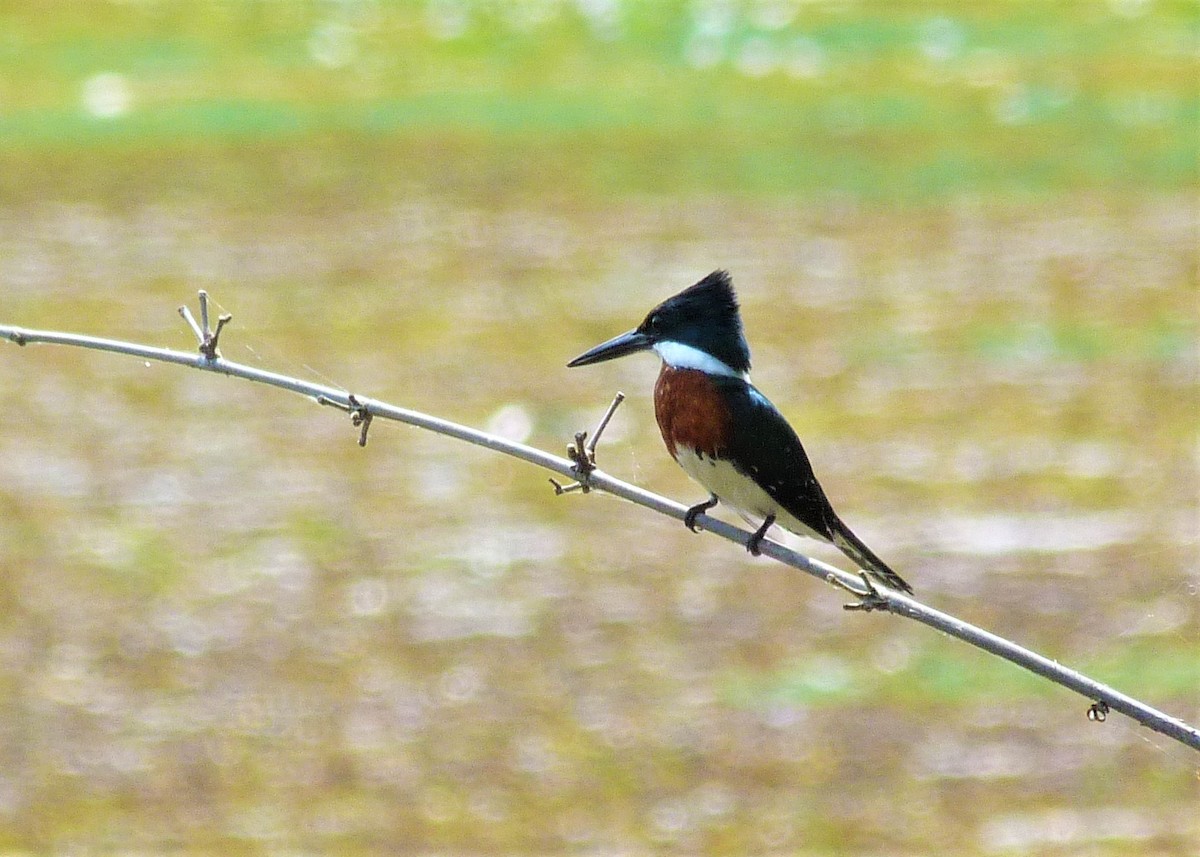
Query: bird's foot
x=753, y=543
x=689, y=518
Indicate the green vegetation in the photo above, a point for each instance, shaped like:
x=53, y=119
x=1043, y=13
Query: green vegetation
x=900, y=101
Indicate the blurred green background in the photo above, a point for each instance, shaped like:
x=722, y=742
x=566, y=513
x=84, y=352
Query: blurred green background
x=965, y=237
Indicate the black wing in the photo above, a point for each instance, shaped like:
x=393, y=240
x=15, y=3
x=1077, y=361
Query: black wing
x=766, y=448
x=773, y=456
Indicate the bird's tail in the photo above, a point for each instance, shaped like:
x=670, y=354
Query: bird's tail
x=853, y=547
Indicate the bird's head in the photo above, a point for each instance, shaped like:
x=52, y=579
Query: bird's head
x=699, y=328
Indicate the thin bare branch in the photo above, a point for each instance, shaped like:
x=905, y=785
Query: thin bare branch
x=206, y=337
x=583, y=453
x=582, y=469
x=603, y=424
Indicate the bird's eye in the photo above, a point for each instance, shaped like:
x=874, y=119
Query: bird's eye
x=652, y=321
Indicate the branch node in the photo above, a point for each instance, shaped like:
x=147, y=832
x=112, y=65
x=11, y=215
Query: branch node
x=19, y=338
x=584, y=457
x=868, y=601
x=205, y=335
x=1098, y=712
x=583, y=453
x=360, y=414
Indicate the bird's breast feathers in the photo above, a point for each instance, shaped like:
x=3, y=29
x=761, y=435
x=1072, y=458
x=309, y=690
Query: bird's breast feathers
x=691, y=411
x=739, y=491
x=697, y=425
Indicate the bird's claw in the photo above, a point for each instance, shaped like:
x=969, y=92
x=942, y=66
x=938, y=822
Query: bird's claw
x=689, y=518
x=753, y=544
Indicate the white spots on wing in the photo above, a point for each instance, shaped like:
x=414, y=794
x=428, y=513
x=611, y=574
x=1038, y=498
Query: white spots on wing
x=737, y=490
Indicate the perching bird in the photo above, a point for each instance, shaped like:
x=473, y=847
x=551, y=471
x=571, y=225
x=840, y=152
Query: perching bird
x=725, y=433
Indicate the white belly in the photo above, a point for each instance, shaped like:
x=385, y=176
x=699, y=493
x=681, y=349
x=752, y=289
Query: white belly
x=738, y=491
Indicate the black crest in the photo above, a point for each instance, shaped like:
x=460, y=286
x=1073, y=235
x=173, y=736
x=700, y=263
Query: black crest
x=705, y=316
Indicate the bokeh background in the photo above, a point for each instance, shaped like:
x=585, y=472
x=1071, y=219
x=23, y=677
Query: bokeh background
x=965, y=237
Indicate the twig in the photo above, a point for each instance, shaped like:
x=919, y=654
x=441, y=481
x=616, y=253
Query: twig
x=360, y=414
x=584, y=454
x=205, y=336
x=581, y=468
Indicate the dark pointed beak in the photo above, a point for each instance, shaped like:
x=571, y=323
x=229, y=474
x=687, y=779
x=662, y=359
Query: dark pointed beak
x=618, y=346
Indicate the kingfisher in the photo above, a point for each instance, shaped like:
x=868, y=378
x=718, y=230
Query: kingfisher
x=722, y=431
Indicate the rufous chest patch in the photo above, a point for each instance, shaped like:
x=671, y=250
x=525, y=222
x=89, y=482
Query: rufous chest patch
x=690, y=411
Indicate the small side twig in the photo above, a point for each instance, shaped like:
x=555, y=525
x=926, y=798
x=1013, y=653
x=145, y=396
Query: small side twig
x=360, y=414
x=205, y=336
x=584, y=454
